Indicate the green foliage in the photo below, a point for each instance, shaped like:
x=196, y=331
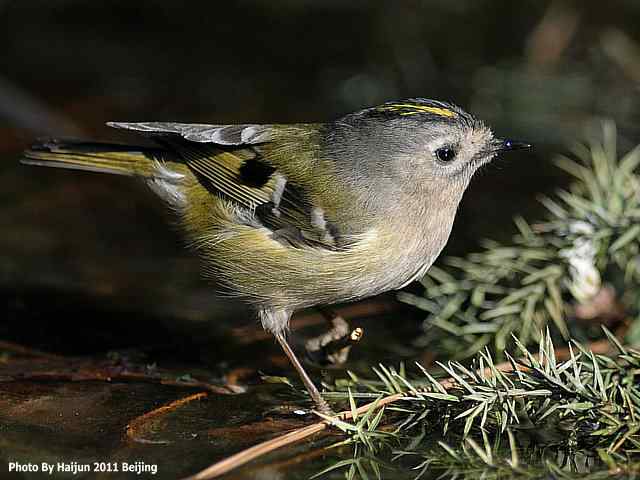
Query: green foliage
x=504, y=422
x=592, y=236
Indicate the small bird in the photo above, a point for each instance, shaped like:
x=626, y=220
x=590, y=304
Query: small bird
x=290, y=216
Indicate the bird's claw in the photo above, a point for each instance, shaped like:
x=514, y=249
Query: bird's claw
x=332, y=347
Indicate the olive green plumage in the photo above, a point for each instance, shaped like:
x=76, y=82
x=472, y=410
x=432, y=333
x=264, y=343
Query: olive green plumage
x=291, y=216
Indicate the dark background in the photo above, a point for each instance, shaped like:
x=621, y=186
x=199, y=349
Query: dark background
x=543, y=71
x=91, y=269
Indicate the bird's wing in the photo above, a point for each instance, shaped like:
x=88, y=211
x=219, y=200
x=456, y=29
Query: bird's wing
x=227, y=160
x=245, y=134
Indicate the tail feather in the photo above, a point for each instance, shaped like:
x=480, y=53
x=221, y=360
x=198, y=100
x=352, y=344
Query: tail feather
x=96, y=157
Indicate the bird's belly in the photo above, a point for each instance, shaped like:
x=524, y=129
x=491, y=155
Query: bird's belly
x=265, y=272
x=379, y=268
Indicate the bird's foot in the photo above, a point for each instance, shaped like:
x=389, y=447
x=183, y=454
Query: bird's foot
x=332, y=347
x=323, y=407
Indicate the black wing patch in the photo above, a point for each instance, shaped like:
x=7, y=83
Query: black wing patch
x=226, y=171
x=256, y=173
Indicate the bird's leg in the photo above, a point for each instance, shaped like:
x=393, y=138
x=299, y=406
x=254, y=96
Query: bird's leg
x=320, y=402
x=333, y=346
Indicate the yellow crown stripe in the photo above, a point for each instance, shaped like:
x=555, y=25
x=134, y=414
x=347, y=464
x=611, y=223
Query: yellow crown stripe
x=415, y=109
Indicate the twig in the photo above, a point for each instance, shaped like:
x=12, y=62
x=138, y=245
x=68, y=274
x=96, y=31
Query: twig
x=364, y=310
x=31, y=352
x=298, y=458
x=26, y=111
x=552, y=35
x=245, y=456
x=138, y=423
x=92, y=375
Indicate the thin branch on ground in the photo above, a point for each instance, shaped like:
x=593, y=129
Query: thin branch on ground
x=137, y=426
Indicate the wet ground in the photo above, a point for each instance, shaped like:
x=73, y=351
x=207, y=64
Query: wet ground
x=178, y=398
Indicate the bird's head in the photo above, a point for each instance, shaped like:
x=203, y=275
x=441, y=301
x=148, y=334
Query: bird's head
x=416, y=143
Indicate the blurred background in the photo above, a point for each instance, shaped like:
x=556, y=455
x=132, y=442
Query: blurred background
x=90, y=264
x=543, y=71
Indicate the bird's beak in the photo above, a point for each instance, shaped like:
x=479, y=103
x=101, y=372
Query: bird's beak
x=506, y=145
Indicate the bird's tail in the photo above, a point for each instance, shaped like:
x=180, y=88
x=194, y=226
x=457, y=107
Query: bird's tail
x=97, y=157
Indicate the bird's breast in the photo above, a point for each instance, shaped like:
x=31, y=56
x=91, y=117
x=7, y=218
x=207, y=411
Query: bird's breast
x=413, y=245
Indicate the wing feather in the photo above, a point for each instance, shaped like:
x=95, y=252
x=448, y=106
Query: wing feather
x=217, y=155
x=244, y=134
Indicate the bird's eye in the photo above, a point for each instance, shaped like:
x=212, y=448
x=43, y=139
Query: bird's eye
x=445, y=154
